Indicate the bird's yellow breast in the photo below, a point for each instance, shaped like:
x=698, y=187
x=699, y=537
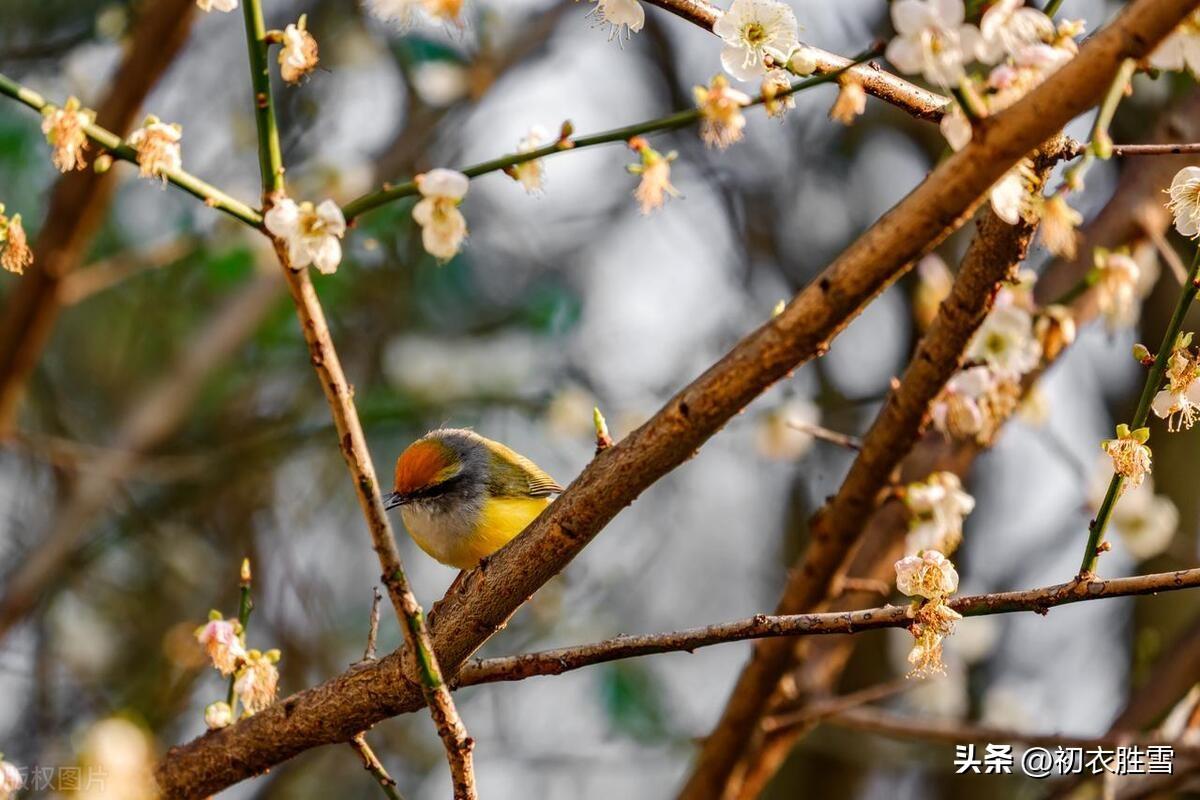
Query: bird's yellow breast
x=499, y=521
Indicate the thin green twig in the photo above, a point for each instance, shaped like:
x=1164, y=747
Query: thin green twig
x=245, y=606
x=112, y=143
x=1052, y=7
x=680, y=119
x=270, y=155
x=1154, y=380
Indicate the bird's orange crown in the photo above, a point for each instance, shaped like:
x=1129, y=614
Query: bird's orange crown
x=425, y=463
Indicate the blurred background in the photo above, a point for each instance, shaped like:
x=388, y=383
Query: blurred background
x=174, y=425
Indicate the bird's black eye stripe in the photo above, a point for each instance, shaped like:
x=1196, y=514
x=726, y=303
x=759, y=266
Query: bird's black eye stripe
x=438, y=489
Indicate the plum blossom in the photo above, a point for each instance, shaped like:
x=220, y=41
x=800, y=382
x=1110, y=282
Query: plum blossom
x=11, y=779
x=218, y=715
x=655, y=170
x=1131, y=458
x=776, y=92
x=935, y=280
x=258, y=680
x=932, y=623
x=222, y=643
x=401, y=12
x=157, y=146
x=1180, y=50
x=1116, y=278
x=66, y=131
x=443, y=227
x=1185, y=201
x=932, y=39
x=929, y=575
x=625, y=17
x=1006, y=341
x=531, y=174
x=15, y=253
x=298, y=55
x=721, y=112
x=1179, y=402
x=1058, y=224
x=753, y=31
x=219, y=5
x=938, y=506
x=1008, y=27
x=851, y=101
x=311, y=233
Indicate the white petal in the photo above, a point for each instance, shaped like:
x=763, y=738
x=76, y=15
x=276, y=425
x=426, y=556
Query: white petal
x=327, y=255
x=734, y=60
x=331, y=214
x=1164, y=404
x=906, y=55
x=1006, y=198
x=910, y=17
x=442, y=182
x=281, y=220
x=951, y=13
x=298, y=254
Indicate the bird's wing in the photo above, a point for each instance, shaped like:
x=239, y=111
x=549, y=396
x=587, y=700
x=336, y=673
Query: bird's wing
x=515, y=475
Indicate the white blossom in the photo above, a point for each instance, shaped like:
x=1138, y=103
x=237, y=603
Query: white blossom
x=1180, y=50
x=222, y=644
x=443, y=227
x=655, y=170
x=65, y=130
x=1008, y=27
x=15, y=253
x=932, y=39
x=1006, y=341
x=218, y=715
x=401, y=12
x=1179, y=401
x=311, y=233
x=298, y=54
x=1058, y=225
x=851, y=101
x=960, y=409
x=441, y=82
x=1131, y=458
x=157, y=146
x=11, y=780
x=219, y=5
x=754, y=30
x=1185, y=201
x=625, y=17
x=938, y=505
x=720, y=105
x=257, y=681
x=1117, y=282
x=930, y=575
x=531, y=174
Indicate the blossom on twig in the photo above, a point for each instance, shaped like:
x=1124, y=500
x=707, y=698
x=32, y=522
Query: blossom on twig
x=312, y=234
x=443, y=227
x=157, y=146
x=66, y=131
x=720, y=105
x=655, y=170
x=754, y=31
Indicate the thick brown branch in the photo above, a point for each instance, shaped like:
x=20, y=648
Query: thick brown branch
x=349, y=703
x=79, y=201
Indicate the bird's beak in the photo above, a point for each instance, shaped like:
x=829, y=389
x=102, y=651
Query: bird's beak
x=393, y=499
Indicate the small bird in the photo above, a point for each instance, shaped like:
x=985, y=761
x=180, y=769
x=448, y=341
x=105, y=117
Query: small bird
x=463, y=496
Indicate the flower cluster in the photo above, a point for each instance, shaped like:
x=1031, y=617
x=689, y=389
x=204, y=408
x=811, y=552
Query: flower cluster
x=443, y=227
x=938, y=506
x=931, y=577
x=311, y=234
x=255, y=676
x=1008, y=345
x=157, y=147
x=1022, y=45
x=15, y=254
x=66, y=131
